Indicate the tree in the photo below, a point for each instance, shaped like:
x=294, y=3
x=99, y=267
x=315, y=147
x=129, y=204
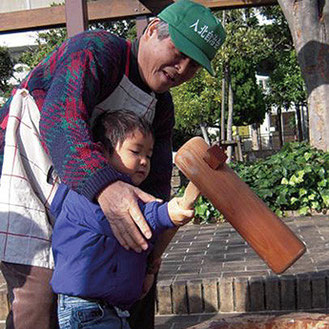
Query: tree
x=244, y=48
x=286, y=85
x=46, y=43
x=287, y=88
x=6, y=70
x=249, y=104
x=199, y=100
x=308, y=22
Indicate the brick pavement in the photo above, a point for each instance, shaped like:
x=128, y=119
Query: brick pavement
x=209, y=270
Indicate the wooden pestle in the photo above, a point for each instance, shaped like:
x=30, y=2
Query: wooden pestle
x=272, y=240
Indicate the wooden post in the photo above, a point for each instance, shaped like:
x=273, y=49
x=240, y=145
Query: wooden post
x=76, y=13
x=141, y=23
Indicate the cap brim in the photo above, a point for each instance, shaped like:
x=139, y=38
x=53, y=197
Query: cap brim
x=188, y=48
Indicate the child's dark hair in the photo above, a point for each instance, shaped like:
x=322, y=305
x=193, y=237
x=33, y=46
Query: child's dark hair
x=111, y=128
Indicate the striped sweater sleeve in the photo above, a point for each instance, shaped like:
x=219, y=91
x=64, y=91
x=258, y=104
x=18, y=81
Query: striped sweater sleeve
x=83, y=71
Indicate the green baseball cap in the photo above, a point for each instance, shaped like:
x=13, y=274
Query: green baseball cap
x=194, y=30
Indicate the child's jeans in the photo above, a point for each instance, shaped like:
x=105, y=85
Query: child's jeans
x=75, y=312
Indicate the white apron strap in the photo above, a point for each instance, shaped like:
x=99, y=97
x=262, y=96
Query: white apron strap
x=127, y=96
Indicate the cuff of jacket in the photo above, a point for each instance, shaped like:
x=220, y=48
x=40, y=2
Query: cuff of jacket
x=101, y=179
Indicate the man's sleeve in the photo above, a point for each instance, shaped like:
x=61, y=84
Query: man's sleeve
x=86, y=69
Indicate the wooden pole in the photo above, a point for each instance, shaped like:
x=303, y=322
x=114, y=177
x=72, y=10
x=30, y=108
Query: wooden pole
x=76, y=14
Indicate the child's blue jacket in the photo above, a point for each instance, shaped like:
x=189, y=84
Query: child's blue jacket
x=89, y=261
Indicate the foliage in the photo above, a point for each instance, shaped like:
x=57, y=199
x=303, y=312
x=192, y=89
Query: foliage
x=199, y=100
x=124, y=28
x=249, y=104
x=278, y=30
x=46, y=43
x=296, y=178
x=286, y=84
x=6, y=70
x=245, y=38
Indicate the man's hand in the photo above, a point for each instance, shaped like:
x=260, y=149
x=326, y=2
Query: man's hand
x=119, y=204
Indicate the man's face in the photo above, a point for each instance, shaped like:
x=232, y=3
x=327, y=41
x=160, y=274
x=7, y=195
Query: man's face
x=161, y=65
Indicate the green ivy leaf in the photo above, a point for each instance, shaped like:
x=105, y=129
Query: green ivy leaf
x=323, y=183
x=294, y=200
x=284, y=181
x=311, y=196
x=303, y=211
x=307, y=156
x=325, y=198
x=302, y=191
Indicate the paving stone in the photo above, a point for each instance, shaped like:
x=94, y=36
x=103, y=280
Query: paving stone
x=194, y=294
x=319, y=289
x=211, y=268
x=179, y=294
x=241, y=294
x=244, y=273
x=288, y=295
x=164, y=298
x=195, y=269
x=4, y=305
x=226, y=303
x=304, y=293
x=272, y=293
x=210, y=295
x=202, y=251
x=287, y=321
x=221, y=253
x=257, y=296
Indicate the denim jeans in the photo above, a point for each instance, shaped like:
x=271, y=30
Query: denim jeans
x=75, y=312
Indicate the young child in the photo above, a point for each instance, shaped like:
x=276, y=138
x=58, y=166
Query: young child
x=96, y=278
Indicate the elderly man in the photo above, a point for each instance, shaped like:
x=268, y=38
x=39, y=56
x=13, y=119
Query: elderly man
x=45, y=134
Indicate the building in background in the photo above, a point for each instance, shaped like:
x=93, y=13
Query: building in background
x=16, y=5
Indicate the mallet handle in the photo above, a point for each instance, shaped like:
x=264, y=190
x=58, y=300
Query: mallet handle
x=191, y=194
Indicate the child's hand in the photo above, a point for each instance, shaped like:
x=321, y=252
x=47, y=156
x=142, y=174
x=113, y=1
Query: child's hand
x=178, y=215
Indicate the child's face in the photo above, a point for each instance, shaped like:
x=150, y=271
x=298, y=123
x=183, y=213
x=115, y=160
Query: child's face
x=133, y=156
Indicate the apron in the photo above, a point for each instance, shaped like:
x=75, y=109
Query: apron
x=28, y=184
x=127, y=96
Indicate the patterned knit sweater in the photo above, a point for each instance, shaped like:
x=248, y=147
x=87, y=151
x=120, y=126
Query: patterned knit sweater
x=66, y=86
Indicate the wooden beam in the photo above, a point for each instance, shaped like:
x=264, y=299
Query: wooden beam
x=101, y=10
x=155, y=6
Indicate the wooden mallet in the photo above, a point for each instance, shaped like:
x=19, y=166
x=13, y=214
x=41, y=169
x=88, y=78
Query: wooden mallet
x=208, y=173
